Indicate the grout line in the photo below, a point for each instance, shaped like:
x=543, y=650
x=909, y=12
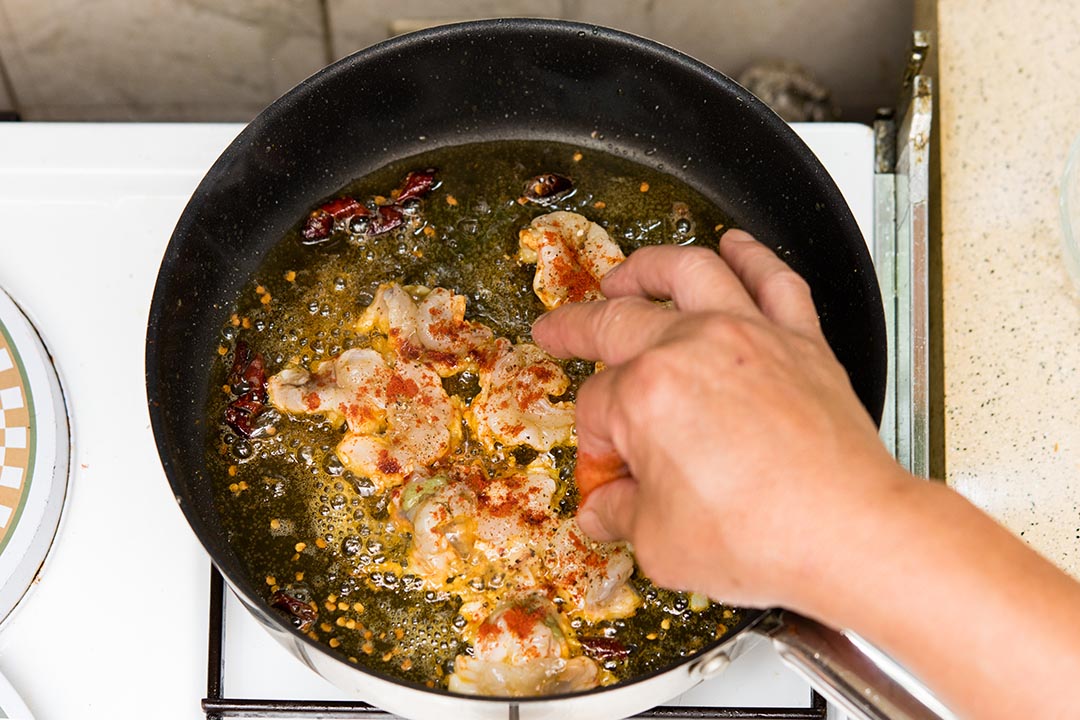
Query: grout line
x=329, y=55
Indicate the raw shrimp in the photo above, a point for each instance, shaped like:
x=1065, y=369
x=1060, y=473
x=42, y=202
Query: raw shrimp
x=441, y=517
x=514, y=405
x=433, y=331
x=592, y=577
x=463, y=522
x=523, y=649
x=571, y=254
x=399, y=417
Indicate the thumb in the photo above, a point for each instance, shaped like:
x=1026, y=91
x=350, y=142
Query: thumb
x=608, y=512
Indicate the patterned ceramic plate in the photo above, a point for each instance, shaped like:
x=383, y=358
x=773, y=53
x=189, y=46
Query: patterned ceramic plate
x=34, y=454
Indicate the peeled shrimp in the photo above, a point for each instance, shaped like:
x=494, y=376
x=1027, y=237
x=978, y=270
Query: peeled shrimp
x=461, y=520
x=592, y=577
x=571, y=254
x=442, y=520
x=514, y=405
x=522, y=649
x=433, y=331
x=399, y=417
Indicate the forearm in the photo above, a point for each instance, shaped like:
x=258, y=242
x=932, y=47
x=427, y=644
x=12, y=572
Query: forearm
x=990, y=625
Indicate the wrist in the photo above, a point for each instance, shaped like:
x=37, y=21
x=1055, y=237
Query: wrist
x=856, y=545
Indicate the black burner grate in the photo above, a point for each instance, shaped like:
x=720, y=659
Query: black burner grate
x=217, y=707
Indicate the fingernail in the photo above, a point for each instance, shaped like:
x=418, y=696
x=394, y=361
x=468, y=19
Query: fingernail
x=736, y=235
x=611, y=272
x=590, y=522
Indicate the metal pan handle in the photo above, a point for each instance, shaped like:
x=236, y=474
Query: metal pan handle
x=840, y=671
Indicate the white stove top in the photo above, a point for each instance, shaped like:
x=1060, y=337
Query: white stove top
x=117, y=626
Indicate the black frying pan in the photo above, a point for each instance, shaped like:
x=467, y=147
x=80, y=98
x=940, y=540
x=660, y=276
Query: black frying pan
x=502, y=79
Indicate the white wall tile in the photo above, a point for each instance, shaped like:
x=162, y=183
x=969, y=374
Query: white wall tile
x=858, y=48
x=355, y=24
x=157, y=59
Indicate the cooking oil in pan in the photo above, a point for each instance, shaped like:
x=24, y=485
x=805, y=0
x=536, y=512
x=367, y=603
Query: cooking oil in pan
x=299, y=521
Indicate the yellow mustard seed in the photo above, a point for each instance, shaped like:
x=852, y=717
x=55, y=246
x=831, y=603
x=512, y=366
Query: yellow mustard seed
x=290, y=276
x=222, y=350
x=578, y=156
x=351, y=624
x=260, y=290
x=651, y=636
x=326, y=627
x=367, y=648
x=343, y=606
x=334, y=642
x=358, y=607
x=299, y=576
x=599, y=204
x=340, y=622
x=320, y=543
x=644, y=187
x=275, y=524
x=665, y=624
x=300, y=546
x=451, y=201
x=265, y=299
x=271, y=580
x=406, y=664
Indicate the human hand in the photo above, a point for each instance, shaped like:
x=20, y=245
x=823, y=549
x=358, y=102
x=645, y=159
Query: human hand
x=724, y=439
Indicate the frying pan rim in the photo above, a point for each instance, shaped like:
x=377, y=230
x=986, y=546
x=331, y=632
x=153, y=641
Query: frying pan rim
x=776, y=127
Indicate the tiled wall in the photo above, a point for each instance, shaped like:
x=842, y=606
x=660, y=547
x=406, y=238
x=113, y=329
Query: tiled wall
x=226, y=59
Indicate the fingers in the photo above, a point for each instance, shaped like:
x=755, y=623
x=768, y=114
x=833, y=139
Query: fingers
x=598, y=459
x=608, y=514
x=695, y=278
x=613, y=331
x=599, y=465
x=781, y=294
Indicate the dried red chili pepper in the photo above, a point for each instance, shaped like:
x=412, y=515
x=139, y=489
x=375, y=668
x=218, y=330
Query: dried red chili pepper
x=602, y=648
x=320, y=224
x=416, y=184
x=248, y=368
x=386, y=219
x=249, y=373
x=302, y=614
x=240, y=414
x=342, y=208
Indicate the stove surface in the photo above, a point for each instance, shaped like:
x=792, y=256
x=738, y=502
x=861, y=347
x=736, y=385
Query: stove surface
x=118, y=624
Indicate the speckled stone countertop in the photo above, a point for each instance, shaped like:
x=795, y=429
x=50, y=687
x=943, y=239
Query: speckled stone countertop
x=1009, y=89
